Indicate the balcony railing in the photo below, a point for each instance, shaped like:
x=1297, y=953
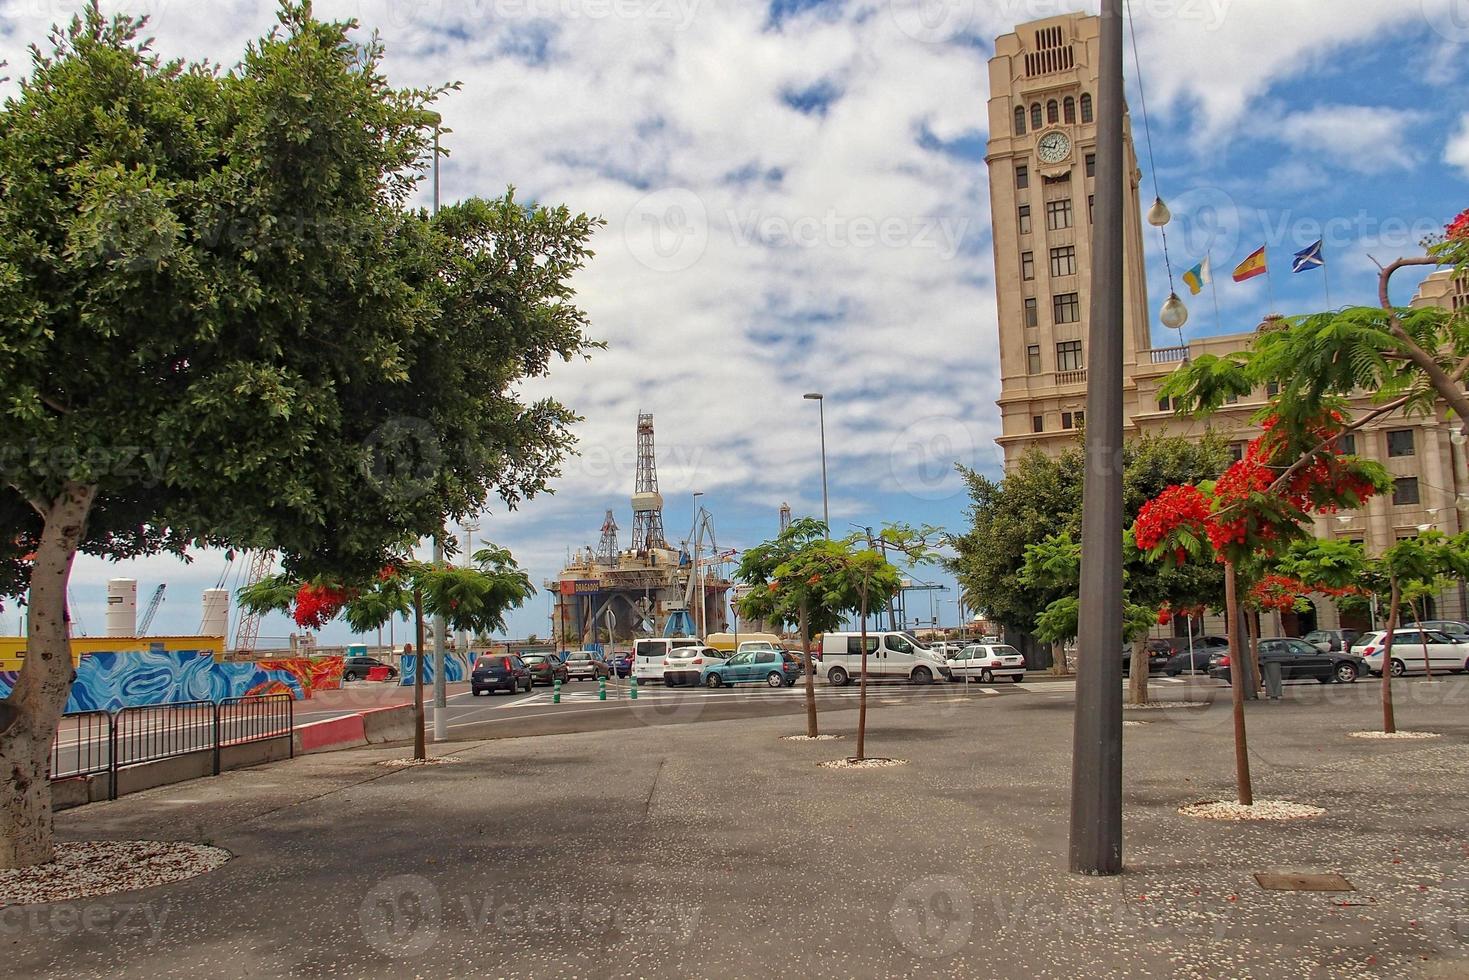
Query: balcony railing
x=1071, y=377
x=1169, y=355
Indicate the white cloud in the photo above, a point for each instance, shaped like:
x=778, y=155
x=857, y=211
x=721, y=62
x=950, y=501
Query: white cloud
x=1365, y=139
x=1456, y=152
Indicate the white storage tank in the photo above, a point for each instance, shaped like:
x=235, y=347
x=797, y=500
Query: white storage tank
x=216, y=612
x=122, y=607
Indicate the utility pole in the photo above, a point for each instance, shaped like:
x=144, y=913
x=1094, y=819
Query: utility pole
x=1096, y=757
x=441, y=634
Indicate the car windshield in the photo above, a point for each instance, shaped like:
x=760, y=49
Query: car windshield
x=741, y=658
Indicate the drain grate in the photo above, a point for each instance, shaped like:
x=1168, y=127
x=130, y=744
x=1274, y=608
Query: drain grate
x=1291, y=881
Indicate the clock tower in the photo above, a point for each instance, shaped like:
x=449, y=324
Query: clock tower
x=1042, y=163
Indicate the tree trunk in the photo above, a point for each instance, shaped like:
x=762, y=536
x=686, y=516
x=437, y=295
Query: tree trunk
x=862, y=695
x=420, y=750
x=1059, y=664
x=804, y=621
x=1389, y=723
x=30, y=714
x=1137, y=681
x=1237, y=689
x=1423, y=636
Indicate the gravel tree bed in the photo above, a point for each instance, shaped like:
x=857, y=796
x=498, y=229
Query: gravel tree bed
x=442, y=760
x=85, y=869
x=863, y=763
x=1262, y=810
x=1146, y=705
x=810, y=738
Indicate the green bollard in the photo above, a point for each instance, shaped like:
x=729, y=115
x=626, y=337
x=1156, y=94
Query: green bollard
x=601, y=689
x=555, y=690
x=632, y=681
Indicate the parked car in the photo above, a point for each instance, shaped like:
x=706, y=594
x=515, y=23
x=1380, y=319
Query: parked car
x=774, y=668
x=1336, y=641
x=500, y=672
x=888, y=655
x=622, y=663
x=546, y=668
x=649, y=654
x=1454, y=629
x=1444, y=653
x=1299, y=660
x=1200, y=660
x=685, y=665
x=356, y=668
x=585, y=665
x=984, y=662
x=1159, y=653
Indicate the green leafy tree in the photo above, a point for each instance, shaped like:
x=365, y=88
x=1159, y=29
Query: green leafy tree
x=781, y=595
x=219, y=326
x=472, y=599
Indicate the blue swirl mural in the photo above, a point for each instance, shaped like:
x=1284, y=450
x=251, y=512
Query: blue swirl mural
x=109, y=681
x=456, y=668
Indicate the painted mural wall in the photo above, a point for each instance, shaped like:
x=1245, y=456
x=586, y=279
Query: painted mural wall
x=109, y=680
x=13, y=648
x=456, y=668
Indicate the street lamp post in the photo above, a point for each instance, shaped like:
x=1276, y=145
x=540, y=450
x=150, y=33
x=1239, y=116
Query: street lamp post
x=1096, y=758
x=820, y=401
x=697, y=590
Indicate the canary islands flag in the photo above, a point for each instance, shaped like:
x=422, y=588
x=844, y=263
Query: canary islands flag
x=1198, y=277
x=1252, y=266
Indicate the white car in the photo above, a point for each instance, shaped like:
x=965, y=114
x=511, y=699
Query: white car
x=986, y=661
x=1407, y=651
x=897, y=655
x=649, y=654
x=683, y=665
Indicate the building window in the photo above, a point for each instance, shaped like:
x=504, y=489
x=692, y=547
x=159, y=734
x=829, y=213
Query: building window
x=1080, y=419
x=1091, y=164
x=1066, y=308
x=1086, y=107
x=1163, y=404
x=1068, y=355
x=1024, y=219
x=1405, y=490
x=1022, y=176
x=1400, y=442
x=1231, y=399
x=1068, y=109
x=1053, y=112
x=1032, y=312
x=1236, y=451
x=1063, y=261
x=1035, y=116
x=1020, y=120
x=1058, y=215
x=1072, y=420
x=1349, y=444
x=1272, y=388
x=1066, y=420
x=1033, y=359
x=1027, y=265
x=1037, y=423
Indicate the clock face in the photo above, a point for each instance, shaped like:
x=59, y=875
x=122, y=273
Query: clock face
x=1053, y=147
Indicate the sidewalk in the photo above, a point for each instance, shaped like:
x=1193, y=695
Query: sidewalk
x=716, y=849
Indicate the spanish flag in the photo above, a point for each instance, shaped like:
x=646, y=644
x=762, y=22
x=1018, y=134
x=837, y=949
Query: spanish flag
x=1252, y=266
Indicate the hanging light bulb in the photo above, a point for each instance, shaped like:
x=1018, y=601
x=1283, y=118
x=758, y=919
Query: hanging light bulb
x=1174, y=314
x=1158, y=214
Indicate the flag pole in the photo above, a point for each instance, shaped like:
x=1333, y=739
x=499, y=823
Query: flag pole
x=1213, y=290
x=1269, y=283
x=1326, y=281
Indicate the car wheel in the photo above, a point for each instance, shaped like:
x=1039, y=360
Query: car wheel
x=349, y=676
x=713, y=681
x=1346, y=673
x=1399, y=668
x=1018, y=678
x=986, y=677
x=837, y=677
x=775, y=679
x=922, y=675
x=668, y=682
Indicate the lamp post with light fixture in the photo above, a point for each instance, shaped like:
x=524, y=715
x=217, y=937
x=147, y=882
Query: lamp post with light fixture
x=820, y=401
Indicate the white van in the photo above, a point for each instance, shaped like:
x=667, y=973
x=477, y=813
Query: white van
x=888, y=655
x=649, y=654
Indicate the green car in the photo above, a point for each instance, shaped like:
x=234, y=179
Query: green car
x=774, y=668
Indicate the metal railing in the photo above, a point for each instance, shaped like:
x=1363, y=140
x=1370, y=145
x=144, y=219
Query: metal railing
x=94, y=742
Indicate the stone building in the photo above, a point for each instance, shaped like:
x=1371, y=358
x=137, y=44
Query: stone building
x=1043, y=83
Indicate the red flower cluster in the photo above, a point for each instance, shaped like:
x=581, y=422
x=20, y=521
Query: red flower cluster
x=1249, y=475
x=1459, y=227
x=1281, y=591
x=316, y=605
x=1174, y=508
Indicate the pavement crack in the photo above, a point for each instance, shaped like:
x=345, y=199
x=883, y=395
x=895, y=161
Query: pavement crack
x=648, y=803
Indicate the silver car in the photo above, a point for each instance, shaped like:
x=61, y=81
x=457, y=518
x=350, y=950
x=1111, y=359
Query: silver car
x=586, y=665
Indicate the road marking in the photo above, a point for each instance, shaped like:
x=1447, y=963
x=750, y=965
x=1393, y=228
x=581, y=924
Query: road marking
x=989, y=690
x=1172, y=680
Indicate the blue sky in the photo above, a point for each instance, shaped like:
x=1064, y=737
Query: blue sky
x=796, y=200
